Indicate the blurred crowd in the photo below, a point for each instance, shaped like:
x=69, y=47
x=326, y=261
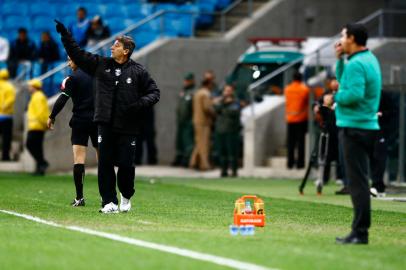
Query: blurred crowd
x=23, y=51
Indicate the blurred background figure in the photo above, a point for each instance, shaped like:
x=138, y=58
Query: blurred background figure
x=210, y=78
x=296, y=115
x=97, y=31
x=228, y=130
x=7, y=100
x=37, y=115
x=80, y=27
x=203, y=116
x=146, y=137
x=48, y=52
x=22, y=51
x=184, y=124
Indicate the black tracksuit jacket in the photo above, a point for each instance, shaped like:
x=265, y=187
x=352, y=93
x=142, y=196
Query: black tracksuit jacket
x=120, y=97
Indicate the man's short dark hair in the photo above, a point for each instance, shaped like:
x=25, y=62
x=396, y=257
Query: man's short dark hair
x=128, y=43
x=82, y=9
x=359, y=32
x=22, y=30
x=297, y=76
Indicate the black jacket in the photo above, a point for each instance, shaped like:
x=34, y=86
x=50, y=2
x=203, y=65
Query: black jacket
x=120, y=97
x=77, y=86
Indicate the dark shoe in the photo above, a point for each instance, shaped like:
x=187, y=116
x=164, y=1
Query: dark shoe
x=352, y=239
x=42, y=168
x=80, y=202
x=235, y=174
x=343, y=191
x=224, y=174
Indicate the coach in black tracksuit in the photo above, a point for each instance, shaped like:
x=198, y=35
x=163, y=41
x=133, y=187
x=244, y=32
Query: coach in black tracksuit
x=123, y=88
x=79, y=87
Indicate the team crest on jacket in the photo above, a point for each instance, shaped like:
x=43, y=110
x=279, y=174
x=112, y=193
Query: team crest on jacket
x=99, y=139
x=129, y=80
x=117, y=71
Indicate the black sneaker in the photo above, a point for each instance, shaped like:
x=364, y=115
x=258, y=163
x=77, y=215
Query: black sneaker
x=80, y=202
x=352, y=239
x=343, y=191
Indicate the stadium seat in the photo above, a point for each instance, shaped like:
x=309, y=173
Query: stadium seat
x=138, y=9
x=41, y=23
x=16, y=9
x=13, y=22
x=182, y=26
x=116, y=24
x=144, y=38
x=205, y=20
x=222, y=4
x=112, y=10
x=42, y=8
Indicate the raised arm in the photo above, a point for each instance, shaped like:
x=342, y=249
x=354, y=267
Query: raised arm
x=84, y=60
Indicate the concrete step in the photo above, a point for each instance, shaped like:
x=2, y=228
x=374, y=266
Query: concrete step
x=277, y=162
x=11, y=166
x=281, y=152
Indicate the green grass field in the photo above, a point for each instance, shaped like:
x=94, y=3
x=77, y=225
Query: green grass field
x=193, y=214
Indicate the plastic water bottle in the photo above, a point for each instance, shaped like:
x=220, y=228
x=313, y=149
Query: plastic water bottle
x=250, y=230
x=248, y=208
x=233, y=230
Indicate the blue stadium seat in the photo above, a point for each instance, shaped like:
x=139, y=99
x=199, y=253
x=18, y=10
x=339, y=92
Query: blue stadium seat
x=42, y=8
x=144, y=38
x=182, y=26
x=116, y=24
x=221, y=4
x=205, y=20
x=138, y=10
x=13, y=22
x=114, y=10
x=16, y=9
x=41, y=23
x=151, y=26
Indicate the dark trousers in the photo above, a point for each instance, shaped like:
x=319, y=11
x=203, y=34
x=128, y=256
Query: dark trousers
x=296, y=140
x=6, y=130
x=147, y=137
x=115, y=150
x=228, y=149
x=35, y=141
x=184, y=143
x=358, y=146
x=378, y=163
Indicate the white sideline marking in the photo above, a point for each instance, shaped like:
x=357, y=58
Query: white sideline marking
x=164, y=248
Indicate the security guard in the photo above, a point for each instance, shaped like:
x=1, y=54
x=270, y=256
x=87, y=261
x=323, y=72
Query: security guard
x=228, y=130
x=203, y=117
x=37, y=115
x=7, y=100
x=79, y=87
x=123, y=89
x=184, y=124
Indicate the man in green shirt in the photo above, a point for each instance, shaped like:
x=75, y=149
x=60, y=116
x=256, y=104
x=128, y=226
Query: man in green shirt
x=357, y=102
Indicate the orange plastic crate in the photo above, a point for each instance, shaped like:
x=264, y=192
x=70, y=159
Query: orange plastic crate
x=249, y=219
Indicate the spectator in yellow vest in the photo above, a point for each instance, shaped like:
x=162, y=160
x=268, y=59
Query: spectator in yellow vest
x=7, y=99
x=37, y=116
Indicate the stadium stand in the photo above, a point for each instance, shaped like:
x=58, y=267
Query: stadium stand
x=180, y=19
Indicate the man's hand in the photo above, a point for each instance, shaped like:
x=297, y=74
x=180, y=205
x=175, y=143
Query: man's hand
x=328, y=100
x=60, y=28
x=50, y=123
x=338, y=50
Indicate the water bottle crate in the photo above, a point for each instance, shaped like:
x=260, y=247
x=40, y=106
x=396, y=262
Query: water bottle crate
x=245, y=215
